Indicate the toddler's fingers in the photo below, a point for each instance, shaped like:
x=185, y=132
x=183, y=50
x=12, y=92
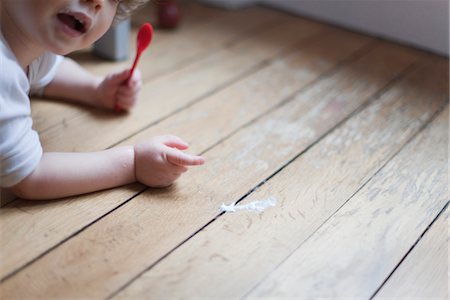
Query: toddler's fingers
x=126, y=97
x=125, y=91
x=173, y=141
x=135, y=86
x=119, y=77
x=125, y=105
x=132, y=85
x=180, y=170
x=179, y=158
x=136, y=79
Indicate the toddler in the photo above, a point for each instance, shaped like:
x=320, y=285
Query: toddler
x=34, y=34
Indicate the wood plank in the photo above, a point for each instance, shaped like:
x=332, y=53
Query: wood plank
x=121, y=244
x=351, y=254
x=164, y=57
x=308, y=191
x=424, y=272
x=46, y=218
x=168, y=94
x=279, y=81
x=197, y=40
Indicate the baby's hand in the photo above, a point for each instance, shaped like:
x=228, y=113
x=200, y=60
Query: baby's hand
x=116, y=90
x=160, y=161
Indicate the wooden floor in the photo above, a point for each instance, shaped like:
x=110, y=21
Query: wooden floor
x=347, y=132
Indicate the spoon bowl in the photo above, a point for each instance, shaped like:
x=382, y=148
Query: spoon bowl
x=144, y=38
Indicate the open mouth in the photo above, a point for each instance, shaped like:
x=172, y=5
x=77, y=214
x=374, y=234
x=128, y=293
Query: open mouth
x=73, y=22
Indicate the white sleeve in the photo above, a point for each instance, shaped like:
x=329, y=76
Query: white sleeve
x=42, y=71
x=20, y=148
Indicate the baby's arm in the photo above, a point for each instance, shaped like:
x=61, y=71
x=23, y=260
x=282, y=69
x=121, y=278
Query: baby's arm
x=65, y=174
x=73, y=83
x=157, y=163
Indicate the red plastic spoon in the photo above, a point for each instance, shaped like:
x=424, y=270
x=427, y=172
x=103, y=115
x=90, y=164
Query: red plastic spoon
x=144, y=38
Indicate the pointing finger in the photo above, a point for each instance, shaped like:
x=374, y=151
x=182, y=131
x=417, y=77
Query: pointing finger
x=173, y=142
x=183, y=159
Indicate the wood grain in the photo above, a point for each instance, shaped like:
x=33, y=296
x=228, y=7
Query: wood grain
x=351, y=254
x=42, y=217
x=115, y=248
x=424, y=272
x=284, y=70
x=242, y=249
x=267, y=88
x=279, y=106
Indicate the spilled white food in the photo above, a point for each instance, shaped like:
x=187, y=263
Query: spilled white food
x=255, y=206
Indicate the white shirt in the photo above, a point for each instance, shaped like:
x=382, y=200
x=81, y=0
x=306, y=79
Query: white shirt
x=20, y=148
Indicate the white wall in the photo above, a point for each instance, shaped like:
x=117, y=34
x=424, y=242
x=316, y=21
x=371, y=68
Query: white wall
x=420, y=23
x=423, y=23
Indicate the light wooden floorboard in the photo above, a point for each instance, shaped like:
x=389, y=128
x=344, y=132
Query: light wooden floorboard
x=75, y=210
x=73, y=207
x=278, y=105
x=352, y=253
x=198, y=202
x=424, y=272
x=237, y=105
x=253, y=245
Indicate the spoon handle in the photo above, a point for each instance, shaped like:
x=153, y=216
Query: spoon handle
x=144, y=38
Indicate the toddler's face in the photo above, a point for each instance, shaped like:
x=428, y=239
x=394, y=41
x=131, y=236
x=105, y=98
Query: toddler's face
x=62, y=26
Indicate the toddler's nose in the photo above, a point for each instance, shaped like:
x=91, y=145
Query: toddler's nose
x=96, y=4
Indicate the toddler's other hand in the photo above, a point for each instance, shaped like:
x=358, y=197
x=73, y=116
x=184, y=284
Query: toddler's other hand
x=116, y=90
x=160, y=161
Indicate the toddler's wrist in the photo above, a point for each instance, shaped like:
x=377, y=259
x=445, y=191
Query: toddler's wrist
x=133, y=149
x=127, y=163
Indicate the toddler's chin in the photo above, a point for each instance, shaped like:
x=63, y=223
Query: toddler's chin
x=64, y=47
x=60, y=52
x=64, y=50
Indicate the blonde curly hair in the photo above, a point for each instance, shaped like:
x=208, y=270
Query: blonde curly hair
x=126, y=8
